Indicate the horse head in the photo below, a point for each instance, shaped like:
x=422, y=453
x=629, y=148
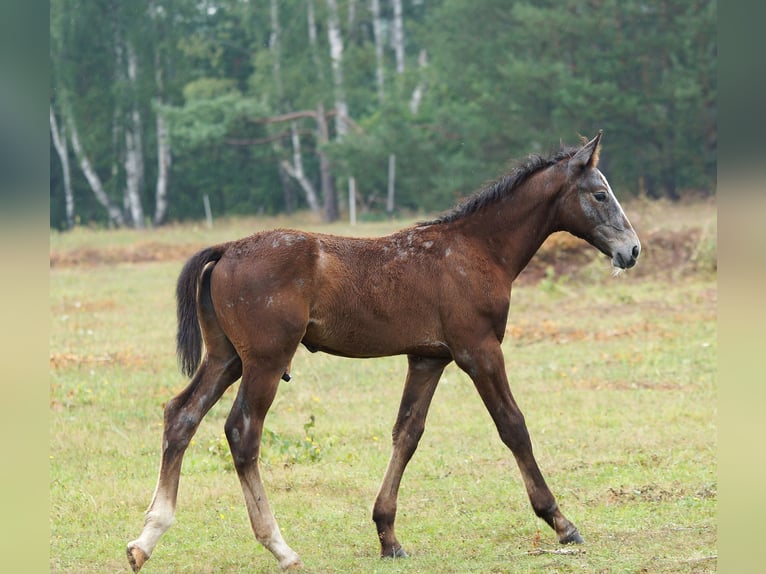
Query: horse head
x=591, y=210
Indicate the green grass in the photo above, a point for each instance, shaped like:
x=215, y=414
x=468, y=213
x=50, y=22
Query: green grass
x=616, y=377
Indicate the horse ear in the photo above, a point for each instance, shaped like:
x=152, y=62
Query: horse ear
x=587, y=155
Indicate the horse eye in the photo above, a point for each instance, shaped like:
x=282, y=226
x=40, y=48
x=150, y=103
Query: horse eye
x=600, y=196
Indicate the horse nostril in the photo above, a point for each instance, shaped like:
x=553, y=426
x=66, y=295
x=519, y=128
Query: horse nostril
x=636, y=251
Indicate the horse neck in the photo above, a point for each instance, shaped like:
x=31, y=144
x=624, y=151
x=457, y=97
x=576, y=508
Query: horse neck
x=515, y=227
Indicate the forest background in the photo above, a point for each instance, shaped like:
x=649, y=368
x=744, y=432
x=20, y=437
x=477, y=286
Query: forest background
x=162, y=108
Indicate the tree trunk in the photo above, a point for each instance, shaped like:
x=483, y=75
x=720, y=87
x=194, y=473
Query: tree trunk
x=328, y=183
x=163, y=168
x=296, y=171
x=276, y=59
x=134, y=160
x=417, y=93
x=287, y=189
x=398, y=36
x=59, y=142
x=164, y=157
x=336, y=56
x=117, y=112
x=274, y=47
x=115, y=215
x=351, y=18
x=377, y=28
x=313, y=40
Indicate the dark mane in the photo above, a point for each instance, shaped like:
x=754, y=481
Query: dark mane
x=502, y=186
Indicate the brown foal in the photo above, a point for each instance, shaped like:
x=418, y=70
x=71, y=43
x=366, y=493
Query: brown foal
x=437, y=292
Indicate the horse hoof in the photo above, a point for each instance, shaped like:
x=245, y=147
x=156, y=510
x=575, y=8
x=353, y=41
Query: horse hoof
x=572, y=538
x=291, y=563
x=292, y=566
x=395, y=553
x=136, y=557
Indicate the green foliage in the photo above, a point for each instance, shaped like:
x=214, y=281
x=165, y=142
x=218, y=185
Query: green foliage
x=206, y=119
x=502, y=80
x=288, y=450
x=277, y=448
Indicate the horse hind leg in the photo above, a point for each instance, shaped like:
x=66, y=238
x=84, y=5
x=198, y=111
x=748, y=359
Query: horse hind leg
x=219, y=369
x=183, y=415
x=244, y=429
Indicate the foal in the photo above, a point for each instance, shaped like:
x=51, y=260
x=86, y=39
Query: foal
x=436, y=292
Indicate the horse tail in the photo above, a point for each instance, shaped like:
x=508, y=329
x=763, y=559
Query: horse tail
x=189, y=337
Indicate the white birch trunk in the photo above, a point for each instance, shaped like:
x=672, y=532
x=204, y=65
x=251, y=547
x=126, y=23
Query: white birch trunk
x=398, y=36
x=134, y=160
x=351, y=17
x=313, y=40
x=163, y=138
x=59, y=142
x=274, y=46
x=328, y=183
x=115, y=215
x=417, y=93
x=377, y=28
x=276, y=57
x=295, y=170
x=163, y=168
x=117, y=113
x=336, y=57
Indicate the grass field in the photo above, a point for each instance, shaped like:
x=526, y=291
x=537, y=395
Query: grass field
x=616, y=377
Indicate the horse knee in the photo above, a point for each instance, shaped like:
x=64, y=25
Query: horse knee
x=407, y=436
x=180, y=427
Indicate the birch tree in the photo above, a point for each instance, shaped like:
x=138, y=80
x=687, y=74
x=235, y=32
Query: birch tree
x=118, y=75
x=134, y=150
x=312, y=29
x=295, y=170
x=115, y=215
x=336, y=58
x=161, y=122
x=417, y=93
x=274, y=48
x=328, y=181
x=377, y=31
x=163, y=155
x=60, y=144
x=398, y=36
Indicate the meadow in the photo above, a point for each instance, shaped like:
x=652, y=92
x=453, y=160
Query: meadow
x=616, y=377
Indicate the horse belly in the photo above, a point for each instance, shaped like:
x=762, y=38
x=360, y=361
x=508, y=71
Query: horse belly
x=372, y=338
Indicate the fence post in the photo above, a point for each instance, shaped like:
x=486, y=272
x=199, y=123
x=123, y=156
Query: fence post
x=352, y=200
x=208, y=213
x=391, y=177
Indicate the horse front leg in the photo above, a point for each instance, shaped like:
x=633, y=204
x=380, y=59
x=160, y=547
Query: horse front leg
x=182, y=417
x=486, y=367
x=422, y=377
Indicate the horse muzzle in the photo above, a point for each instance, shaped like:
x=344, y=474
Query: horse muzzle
x=625, y=258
